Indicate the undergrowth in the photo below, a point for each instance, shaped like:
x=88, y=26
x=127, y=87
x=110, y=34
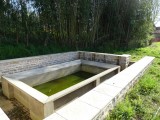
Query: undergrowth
x=17, y=51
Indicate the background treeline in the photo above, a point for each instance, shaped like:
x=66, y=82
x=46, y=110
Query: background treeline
x=102, y=25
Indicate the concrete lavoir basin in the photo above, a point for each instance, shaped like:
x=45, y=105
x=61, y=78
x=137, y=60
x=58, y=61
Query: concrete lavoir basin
x=18, y=83
x=21, y=84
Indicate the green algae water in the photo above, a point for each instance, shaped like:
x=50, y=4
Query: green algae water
x=60, y=84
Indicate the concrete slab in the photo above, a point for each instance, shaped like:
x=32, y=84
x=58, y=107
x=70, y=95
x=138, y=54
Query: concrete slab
x=81, y=110
x=118, y=81
x=55, y=116
x=3, y=116
x=107, y=90
x=96, y=99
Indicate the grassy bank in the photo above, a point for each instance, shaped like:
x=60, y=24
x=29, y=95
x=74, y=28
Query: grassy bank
x=143, y=100
x=16, y=51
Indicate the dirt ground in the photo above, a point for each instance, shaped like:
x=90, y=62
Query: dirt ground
x=13, y=109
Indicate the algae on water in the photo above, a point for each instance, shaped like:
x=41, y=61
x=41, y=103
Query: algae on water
x=60, y=84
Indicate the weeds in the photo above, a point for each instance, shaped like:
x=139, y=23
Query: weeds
x=123, y=111
x=147, y=85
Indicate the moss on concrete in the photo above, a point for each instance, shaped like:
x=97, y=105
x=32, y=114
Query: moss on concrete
x=60, y=84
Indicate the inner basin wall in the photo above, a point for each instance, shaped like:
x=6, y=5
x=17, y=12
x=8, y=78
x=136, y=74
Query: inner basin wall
x=62, y=71
x=51, y=75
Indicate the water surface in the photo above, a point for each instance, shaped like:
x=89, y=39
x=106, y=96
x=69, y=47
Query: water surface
x=60, y=84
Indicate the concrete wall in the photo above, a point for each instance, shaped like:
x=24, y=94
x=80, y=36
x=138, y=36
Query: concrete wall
x=73, y=95
x=23, y=64
x=91, y=69
x=122, y=60
x=61, y=71
x=29, y=63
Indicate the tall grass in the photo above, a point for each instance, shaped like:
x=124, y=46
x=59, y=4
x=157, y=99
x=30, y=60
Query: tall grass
x=17, y=51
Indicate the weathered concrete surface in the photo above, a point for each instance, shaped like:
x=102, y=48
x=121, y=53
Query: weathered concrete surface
x=38, y=76
x=96, y=104
x=23, y=64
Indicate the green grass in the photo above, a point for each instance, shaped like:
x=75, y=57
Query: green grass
x=143, y=100
x=17, y=51
x=60, y=84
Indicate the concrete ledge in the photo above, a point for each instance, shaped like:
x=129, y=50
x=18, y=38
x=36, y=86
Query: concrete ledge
x=3, y=116
x=97, y=103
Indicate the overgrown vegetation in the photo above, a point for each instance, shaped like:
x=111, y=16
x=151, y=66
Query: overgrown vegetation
x=16, y=51
x=143, y=100
x=77, y=24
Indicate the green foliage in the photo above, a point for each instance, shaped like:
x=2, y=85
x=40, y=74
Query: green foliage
x=20, y=50
x=147, y=85
x=100, y=24
x=123, y=111
x=138, y=108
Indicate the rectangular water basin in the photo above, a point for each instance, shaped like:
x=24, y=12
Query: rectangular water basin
x=21, y=85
